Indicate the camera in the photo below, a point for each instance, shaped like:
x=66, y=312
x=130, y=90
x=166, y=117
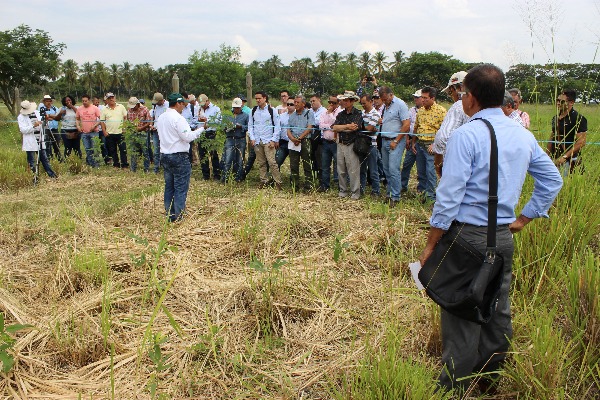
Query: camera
x=369, y=79
x=42, y=112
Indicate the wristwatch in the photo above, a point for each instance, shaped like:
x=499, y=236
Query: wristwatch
x=395, y=141
x=564, y=157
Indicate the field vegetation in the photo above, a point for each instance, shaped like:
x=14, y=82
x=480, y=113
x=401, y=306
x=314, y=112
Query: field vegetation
x=267, y=294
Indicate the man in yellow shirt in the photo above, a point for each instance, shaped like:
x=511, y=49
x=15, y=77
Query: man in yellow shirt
x=429, y=119
x=111, y=119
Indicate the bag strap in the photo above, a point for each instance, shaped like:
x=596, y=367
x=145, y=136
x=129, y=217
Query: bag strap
x=490, y=252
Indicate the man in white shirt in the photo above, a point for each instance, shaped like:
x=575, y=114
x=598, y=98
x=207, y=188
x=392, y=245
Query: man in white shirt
x=211, y=116
x=175, y=137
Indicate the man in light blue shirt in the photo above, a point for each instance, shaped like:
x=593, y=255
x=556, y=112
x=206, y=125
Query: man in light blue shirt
x=395, y=123
x=263, y=130
x=462, y=203
x=300, y=129
x=51, y=135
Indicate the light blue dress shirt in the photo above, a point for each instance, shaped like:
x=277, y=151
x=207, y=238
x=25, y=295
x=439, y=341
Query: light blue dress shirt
x=393, y=117
x=260, y=126
x=462, y=193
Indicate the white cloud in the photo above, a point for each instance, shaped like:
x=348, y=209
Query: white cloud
x=454, y=9
x=249, y=53
x=366, y=45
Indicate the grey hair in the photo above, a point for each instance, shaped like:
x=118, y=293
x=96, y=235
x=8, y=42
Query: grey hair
x=508, y=100
x=301, y=97
x=385, y=89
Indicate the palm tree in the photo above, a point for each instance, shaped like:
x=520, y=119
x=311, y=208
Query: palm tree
x=115, y=77
x=399, y=58
x=322, y=60
x=379, y=63
x=101, y=76
x=70, y=69
x=273, y=66
x=127, y=76
x=366, y=62
x=351, y=59
x=335, y=59
x=87, y=76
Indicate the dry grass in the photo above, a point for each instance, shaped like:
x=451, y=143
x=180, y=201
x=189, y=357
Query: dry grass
x=286, y=332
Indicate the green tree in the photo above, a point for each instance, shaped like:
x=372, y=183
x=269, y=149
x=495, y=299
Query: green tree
x=366, y=62
x=87, y=76
x=26, y=58
x=379, y=63
x=127, y=76
x=70, y=71
x=115, y=77
x=101, y=76
x=428, y=69
x=220, y=73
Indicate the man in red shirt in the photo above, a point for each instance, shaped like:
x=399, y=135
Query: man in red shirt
x=87, y=119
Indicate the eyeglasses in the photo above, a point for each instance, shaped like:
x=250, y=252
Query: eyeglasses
x=561, y=101
x=290, y=104
x=375, y=97
x=332, y=102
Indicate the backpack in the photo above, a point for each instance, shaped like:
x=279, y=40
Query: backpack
x=270, y=112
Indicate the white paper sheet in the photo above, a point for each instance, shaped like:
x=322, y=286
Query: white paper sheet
x=293, y=147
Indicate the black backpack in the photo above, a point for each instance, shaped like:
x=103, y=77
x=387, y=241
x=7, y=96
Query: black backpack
x=270, y=112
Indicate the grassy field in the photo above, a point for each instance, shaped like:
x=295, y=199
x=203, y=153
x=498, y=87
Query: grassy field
x=265, y=294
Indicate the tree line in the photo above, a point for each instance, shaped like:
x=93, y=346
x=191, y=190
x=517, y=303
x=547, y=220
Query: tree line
x=31, y=62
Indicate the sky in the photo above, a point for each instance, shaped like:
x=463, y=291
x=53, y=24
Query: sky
x=168, y=32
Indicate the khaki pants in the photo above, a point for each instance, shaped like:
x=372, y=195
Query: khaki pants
x=348, y=166
x=266, y=154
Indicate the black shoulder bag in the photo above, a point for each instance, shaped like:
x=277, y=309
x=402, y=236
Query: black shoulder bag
x=457, y=276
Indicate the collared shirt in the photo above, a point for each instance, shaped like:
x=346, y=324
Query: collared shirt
x=413, y=118
x=190, y=113
x=565, y=132
x=113, y=118
x=174, y=132
x=326, y=120
x=213, y=117
x=299, y=122
x=261, y=128
x=284, y=120
x=158, y=110
x=454, y=118
x=317, y=113
x=246, y=110
x=345, y=118
x=525, y=117
x=429, y=121
x=515, y=116
x=393, y=117
x=53, y=110
x=88, y=117
x=462, y=193
x=237, y=119
x=142, y=115
x=371, y=118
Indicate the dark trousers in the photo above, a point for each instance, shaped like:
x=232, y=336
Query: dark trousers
x=295, y=156
x=316, y=157
x=208, y=157
x=32, y=161
x=468, y=347
x=114, y=141
x=72, y=144
x=53, y=140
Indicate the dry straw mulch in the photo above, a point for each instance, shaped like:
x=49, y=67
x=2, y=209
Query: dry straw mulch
x=283, y=332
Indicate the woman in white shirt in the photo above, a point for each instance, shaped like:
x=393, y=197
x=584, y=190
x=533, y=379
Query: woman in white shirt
x=68, y=127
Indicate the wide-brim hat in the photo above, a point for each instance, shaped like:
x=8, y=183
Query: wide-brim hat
x=348, y=94
x=27, y=107
x=456, y=78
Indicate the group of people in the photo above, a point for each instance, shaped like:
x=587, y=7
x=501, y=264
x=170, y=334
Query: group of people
x=450, y=145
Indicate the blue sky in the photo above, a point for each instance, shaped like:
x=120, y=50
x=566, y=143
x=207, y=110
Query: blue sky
x=167, y=32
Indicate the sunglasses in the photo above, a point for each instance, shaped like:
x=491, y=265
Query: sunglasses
x=375, y=97
x=290, y=104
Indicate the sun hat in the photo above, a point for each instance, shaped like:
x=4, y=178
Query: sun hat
x=237, y=102
x=348, y=94
x=417, y=93
x=133, y=101
x=457, y=77
x=27, y=107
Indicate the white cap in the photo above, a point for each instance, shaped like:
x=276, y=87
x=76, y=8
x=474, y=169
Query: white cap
x=458, y=77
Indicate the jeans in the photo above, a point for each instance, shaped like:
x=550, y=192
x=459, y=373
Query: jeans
x=88, y=144
x=328, y=154
x=426, y=170
x=409, y=161
x=31, y=160
x=177, y=171
x=468, y=347
x=139, y=148
x=233, y=158
x=117, y=147
x=391, y=166
x=73, y=144
x=370, y=163
x=156, y=143
x=282, y=152
x=250, y=162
